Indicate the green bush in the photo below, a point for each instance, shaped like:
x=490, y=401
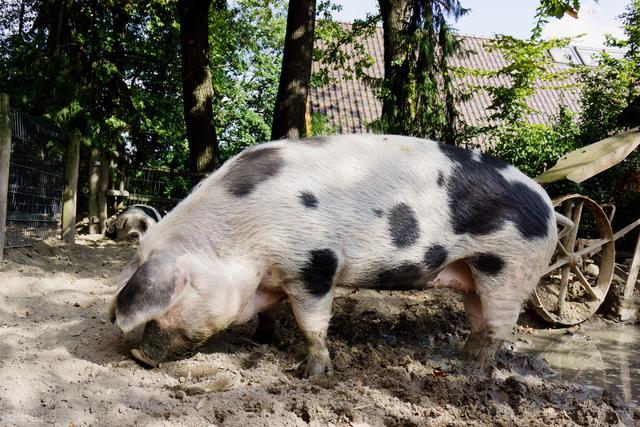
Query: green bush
x=534, y=148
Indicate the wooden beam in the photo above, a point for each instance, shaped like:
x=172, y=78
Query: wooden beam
x=5, y=155
x=628, y=307
x=70, y=193
x=103, y=186
x=94, y=183
x=583, y=163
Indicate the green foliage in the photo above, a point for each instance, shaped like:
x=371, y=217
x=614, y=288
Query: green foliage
x=607, y=90
x=556, y=9
x=528, y=67
x=320, y=125
x=112, y=69
x=533, y=148
x=604, y=95
x=614, y=83
x=247, y=43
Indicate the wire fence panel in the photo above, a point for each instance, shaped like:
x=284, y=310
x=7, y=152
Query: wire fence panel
x=161, y=188
x=36, y=181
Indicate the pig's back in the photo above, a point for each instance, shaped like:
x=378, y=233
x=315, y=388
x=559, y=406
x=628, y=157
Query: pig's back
x=376, y=201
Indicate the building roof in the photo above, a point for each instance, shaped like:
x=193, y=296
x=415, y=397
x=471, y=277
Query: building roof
x=350, y=105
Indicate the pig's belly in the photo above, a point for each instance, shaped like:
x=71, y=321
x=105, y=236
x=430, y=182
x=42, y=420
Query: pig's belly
x=407, y=276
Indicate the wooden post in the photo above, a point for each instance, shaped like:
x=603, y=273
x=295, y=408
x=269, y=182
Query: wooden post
x=70, y=194
x=628, y=307
x=5, y=154
x=103, y=186
x=94, y=185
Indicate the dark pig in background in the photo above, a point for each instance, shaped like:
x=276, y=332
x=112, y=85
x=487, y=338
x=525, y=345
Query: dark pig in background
x=290, y=220
x=132, y=222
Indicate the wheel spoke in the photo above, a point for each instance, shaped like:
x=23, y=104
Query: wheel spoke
x=556, y=265
x=560, y=261
x=585, y=283
x=562, y=292
x=564, y=250
x=577, y=216
x=594, y=248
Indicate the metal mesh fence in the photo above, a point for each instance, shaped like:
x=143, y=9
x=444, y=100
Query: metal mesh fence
x=161, y=188
x=36, y=181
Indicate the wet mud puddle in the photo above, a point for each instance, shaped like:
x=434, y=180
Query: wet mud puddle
x=605, y=356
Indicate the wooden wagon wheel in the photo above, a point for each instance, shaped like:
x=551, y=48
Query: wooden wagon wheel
x=581, y=270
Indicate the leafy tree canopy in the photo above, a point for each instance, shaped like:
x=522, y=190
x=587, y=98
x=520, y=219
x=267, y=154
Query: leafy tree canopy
x=111, y=68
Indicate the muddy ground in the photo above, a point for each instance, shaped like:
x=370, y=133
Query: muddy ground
x=394, y=353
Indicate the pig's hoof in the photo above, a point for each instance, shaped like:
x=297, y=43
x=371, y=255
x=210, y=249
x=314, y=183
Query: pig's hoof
x=481, y=349
x=143, y=359
x=317, y=366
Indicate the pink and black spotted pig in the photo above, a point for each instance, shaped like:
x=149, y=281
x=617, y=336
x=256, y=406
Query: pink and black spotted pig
x=292, y=220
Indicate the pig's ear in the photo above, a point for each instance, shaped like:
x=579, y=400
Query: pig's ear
x=150, y=292
x=121, y=222
x=123, y=279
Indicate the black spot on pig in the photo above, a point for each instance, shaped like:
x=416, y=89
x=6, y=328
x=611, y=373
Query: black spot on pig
x=481, y=200
x=435, y=256
x=463, y=157
x=317, y=274
x=308, y=199
x=403, y=226
x=251, y=168
x=403, y=277
x=378, y=212
x=440, y=180
x=456, y=154
x=150, y=211
x=488, y=263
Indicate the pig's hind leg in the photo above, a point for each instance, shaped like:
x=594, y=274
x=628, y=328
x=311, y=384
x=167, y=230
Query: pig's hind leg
x=458, y=276
x=478, y=335
x=501, y=286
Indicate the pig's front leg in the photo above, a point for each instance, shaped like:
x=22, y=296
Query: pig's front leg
x=311, y=297
x=313, y=314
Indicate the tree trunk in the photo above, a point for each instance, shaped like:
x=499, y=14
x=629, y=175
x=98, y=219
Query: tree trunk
x=196, y=85
x=21, y=18
x=119, y=103
x=418, y=96
x=291, y=101
x=450, y=131
x=59, y=31
x=395, y=14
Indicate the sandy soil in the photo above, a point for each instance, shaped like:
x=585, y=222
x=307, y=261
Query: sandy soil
x=395, y=359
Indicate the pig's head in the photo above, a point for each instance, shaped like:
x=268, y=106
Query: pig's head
x=132, y=225
x=182, y=300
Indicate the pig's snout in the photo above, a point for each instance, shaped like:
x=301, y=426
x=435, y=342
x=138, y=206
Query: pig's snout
x=141, y=357
x=159, y=345
x=133, y=236
x=155, y=347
